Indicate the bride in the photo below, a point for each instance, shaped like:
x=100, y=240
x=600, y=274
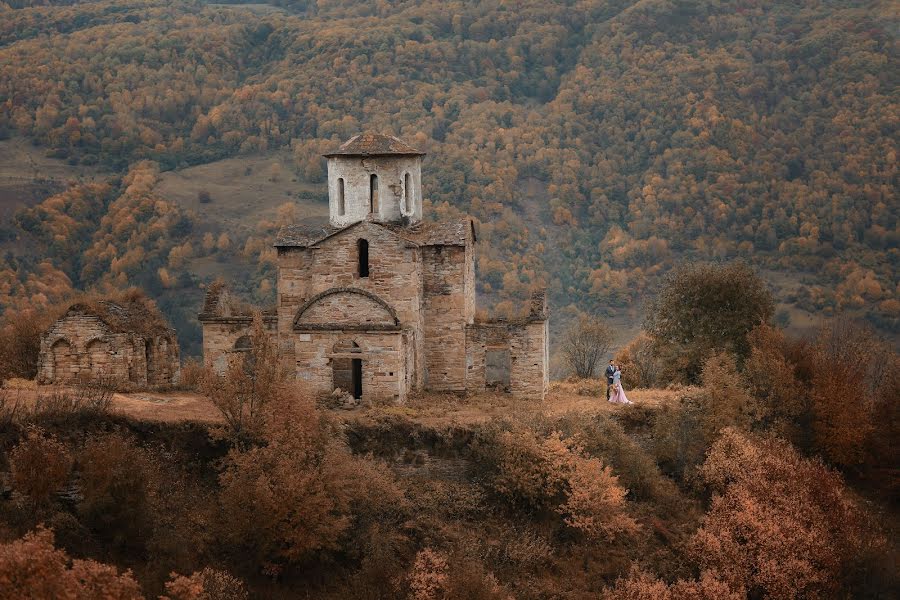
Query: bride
x=618, y=392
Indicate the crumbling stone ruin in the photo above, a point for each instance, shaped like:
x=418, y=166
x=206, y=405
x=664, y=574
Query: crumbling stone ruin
x=124, y=342
x=379, y=303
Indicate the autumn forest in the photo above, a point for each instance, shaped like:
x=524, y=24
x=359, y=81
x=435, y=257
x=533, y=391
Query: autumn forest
x=707, y=190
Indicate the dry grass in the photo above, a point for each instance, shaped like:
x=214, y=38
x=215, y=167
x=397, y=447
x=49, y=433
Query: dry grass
x=27, y=176
x=167, y=407
x=242, y=191
x=431, y=409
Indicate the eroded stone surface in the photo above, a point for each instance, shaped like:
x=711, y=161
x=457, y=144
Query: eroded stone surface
x=122, y=344
x=402, y=321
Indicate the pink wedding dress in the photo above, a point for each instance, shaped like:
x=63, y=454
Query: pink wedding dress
x=618, y=392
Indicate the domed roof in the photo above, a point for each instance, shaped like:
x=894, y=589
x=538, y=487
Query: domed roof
x=375, y=144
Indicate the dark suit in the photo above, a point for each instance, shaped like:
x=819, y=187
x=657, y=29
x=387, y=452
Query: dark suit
x=610, y=371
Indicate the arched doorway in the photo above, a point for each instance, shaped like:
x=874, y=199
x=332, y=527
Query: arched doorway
x=345, y=369
x=63, y=361
x=98, y=357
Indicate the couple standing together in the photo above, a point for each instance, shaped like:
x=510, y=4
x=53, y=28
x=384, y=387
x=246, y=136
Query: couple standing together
x=615, y=393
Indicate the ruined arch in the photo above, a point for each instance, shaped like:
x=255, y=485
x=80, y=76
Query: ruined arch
x=320, y=312
x=64, y=360
x=97, y=351
x=243, y=344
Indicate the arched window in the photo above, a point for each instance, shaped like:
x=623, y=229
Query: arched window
x=243, y=344
x=362, y=254
x=340, y=197
x=407, y=193
x=373, y=193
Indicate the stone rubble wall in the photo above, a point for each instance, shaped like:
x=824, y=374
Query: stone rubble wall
x=527, y=344
x=221, y=334
x=82, y=346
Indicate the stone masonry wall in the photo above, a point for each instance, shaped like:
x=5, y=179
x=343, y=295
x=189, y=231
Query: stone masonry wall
x=446, y=300
x=394, y=277
x=526, y=343
x=349, y=308
x=391, y=172
x=81, y=345
x=221, y=334
x=384, y=357
x=529, y=371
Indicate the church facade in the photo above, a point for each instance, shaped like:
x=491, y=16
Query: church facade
x=380, y=303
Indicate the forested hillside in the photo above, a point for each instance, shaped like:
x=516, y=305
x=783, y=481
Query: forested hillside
x=597, y=142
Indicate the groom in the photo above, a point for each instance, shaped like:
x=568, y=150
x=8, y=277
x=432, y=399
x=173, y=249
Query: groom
x=610, y=371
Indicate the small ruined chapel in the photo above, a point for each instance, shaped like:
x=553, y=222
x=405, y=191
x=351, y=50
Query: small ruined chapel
x=380, y=303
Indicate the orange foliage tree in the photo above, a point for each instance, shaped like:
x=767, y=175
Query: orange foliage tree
x=252, y=381
x=779, y=525
x=302, y=491
x=31, y=567
x=554, y=475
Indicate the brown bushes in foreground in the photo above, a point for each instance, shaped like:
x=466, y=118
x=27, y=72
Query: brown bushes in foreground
x=302, y=491
x=40, y=465
x=552, y=475
x=118, y=482
x=253, y=380
x=32, y=568
x=779, y=525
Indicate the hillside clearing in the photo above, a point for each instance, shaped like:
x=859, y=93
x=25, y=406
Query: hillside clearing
x=430, y=409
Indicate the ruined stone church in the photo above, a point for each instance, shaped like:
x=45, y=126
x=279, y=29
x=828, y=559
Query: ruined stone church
x=380, y=303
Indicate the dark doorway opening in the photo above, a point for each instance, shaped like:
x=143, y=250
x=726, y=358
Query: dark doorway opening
x=357, y=378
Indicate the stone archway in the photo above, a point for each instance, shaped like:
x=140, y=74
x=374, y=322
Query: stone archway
x=97, y=351
x=65, y=365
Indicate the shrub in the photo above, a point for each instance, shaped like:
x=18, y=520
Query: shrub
x=298, y=494
x=640, y=362
x=20, y=343
x=846, y=377
x=727, y=401
x=203, y=197
x=40, y=465
x=549, y=475
x=208, y=584
x=31, y=567
x=118, y=480
x=604, y=438
x=252, y=381
x=782, y=399
x=780, y=526
x=642, y=586
x=192, y=373
x=428, y=579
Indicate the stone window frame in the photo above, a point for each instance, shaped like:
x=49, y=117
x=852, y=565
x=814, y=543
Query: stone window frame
x=373, y=194
x=408, y=200
x=341, y=206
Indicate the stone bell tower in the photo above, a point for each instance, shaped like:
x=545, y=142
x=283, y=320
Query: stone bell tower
x=377, y=178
